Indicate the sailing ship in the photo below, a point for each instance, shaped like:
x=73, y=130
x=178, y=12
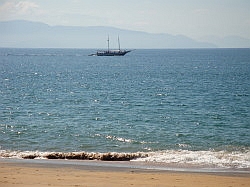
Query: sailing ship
x=117, y=52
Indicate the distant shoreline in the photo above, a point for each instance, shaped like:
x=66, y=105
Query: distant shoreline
x=85, y=48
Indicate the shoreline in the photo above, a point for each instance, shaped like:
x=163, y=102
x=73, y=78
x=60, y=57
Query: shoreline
x=19, y=173
x=126, y=165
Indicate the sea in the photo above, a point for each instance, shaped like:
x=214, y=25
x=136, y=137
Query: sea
x=182, y=107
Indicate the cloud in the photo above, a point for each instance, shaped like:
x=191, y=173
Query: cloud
x=26, y=7
x=19, y=10
x=6, y=8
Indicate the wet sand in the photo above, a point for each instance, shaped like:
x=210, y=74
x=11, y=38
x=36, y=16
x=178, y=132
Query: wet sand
x=20, y=174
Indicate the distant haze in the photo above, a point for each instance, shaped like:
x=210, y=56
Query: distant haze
x=195, y=19
x=39, y=35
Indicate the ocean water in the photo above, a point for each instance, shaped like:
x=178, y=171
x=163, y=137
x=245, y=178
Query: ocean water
x=177, y=106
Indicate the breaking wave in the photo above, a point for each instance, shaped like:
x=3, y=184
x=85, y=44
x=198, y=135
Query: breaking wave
x=221, y=159
x=110, y=156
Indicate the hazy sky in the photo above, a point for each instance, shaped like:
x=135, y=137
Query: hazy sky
x=193, y=18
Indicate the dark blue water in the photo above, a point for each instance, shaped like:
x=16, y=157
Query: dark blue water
x=149, y=100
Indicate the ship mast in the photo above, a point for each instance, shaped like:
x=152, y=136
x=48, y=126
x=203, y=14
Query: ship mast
x=119, y=43
x=108, y=42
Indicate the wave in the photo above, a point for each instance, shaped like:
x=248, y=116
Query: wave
x=220, y=159
x=119, y=139
x=110, y=156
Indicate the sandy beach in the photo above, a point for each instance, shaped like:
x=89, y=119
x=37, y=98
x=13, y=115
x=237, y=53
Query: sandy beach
x=19, y=174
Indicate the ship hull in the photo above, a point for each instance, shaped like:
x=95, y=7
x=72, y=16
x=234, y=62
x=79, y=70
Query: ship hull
x=112, y=53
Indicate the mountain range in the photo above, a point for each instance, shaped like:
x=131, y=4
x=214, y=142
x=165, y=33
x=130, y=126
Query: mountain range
x=27, y=34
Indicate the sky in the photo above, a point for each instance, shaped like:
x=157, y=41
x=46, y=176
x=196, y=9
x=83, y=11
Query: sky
x=193, y=18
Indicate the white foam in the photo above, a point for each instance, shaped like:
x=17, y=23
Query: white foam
x=202, y=158
x=214, y=159
x=20, y=154
x=120, y=139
